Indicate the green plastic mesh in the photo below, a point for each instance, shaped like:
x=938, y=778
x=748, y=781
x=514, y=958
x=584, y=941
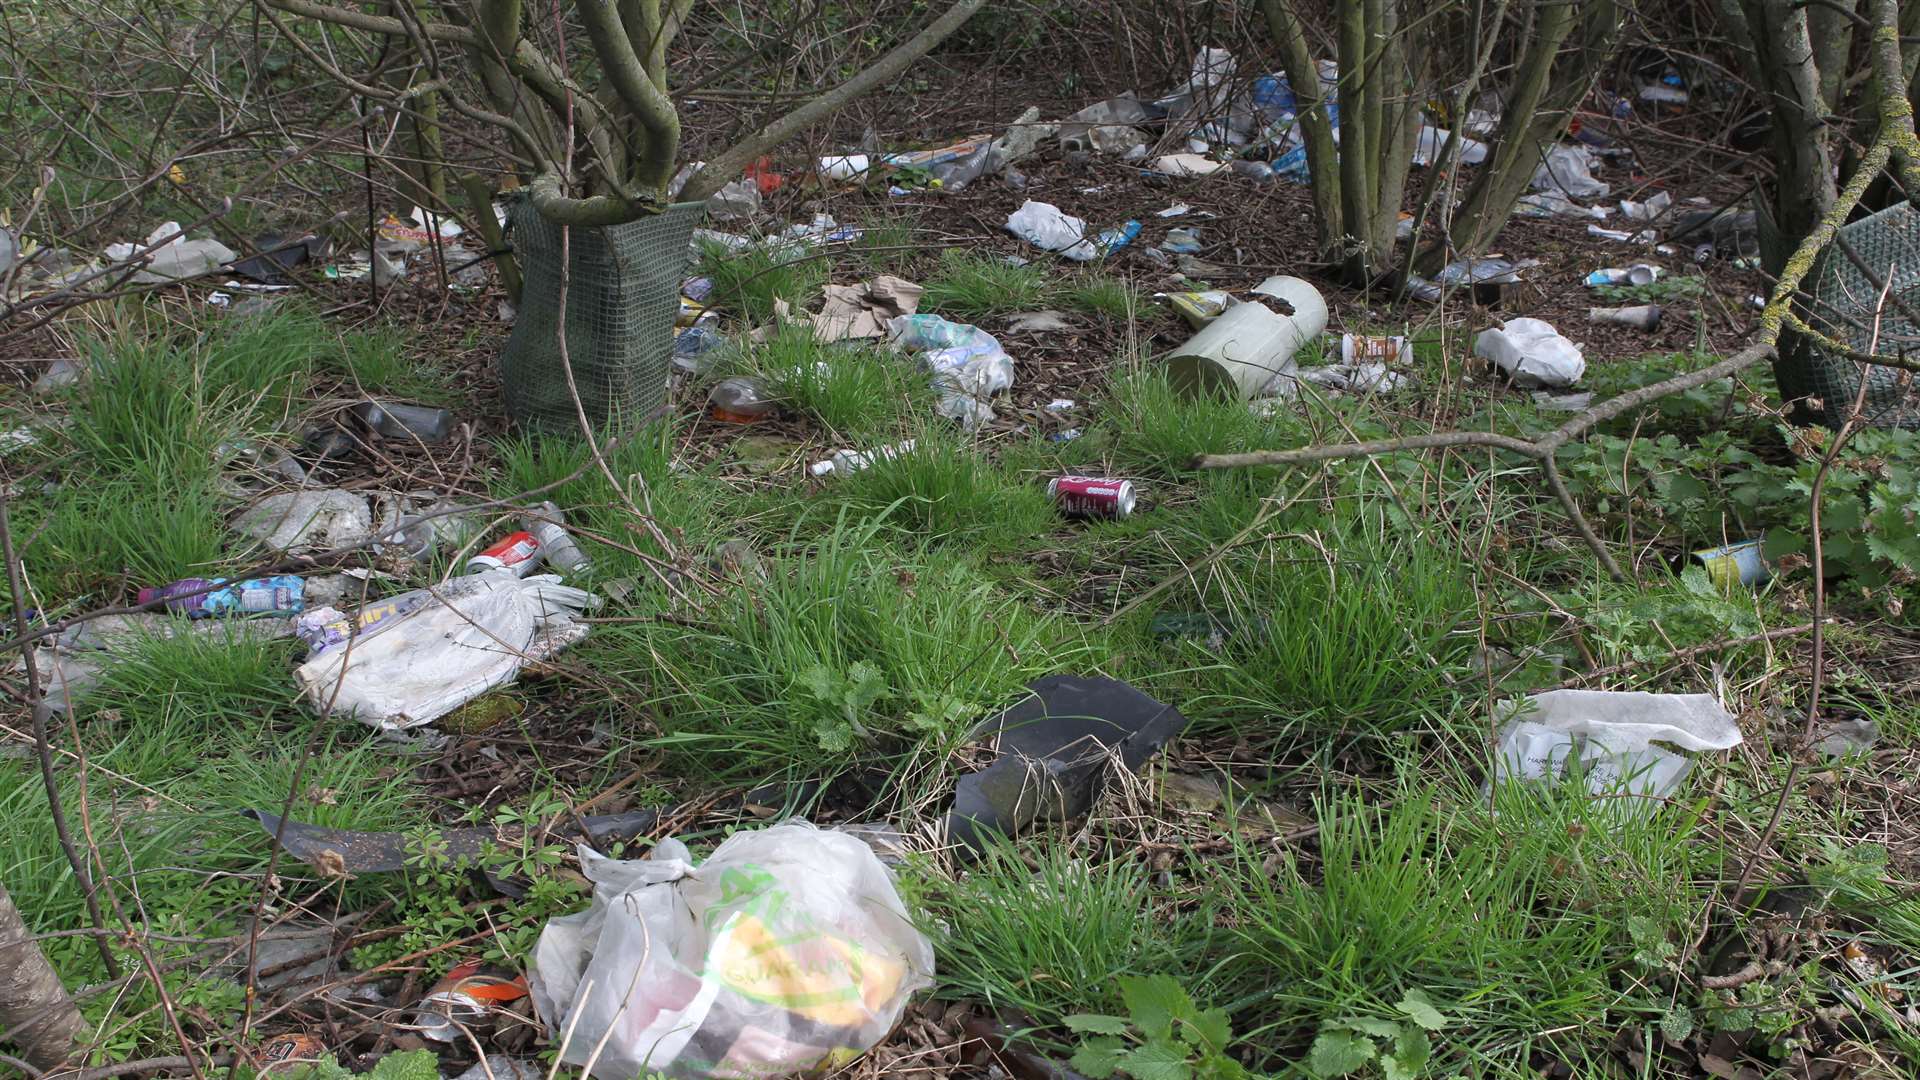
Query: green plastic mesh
x=1844, y=297
x=622, y=298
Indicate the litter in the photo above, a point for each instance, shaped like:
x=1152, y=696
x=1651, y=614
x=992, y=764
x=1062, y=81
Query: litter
x=1054, y=751
x=202, y=598
x=1182, y=241
x=1844, y=738
x=1186, y=165
x=1637, y=274
x=1610, y=738
x=863, y=311
x=1241, y=353
x=739, y=200
x=475, y=634
x=462, y=998
x=1555, y=204
x=1650, y=211
x=1742, y=563
x=786, y=950
x=1037, y=322
x=1257, y=171
x=1432, y=141
x=852, y=461
x=356, y=852
x=740, y=399
x=1106, y=127
x=693, y=349
x=1092, y=496
x=1531, y=353
x=167, y=255
x=60, y=374
x=298, y=522
x=1045, y=226
x=1352, y=378
x=968, y=364
x=1199, y=308
x=1561, y=401
x=557, y=546
x=1375, y=348
x=1639, y=317
x=1568, y=169
x=1175, y=210
x=410, y=423
x=278, y=255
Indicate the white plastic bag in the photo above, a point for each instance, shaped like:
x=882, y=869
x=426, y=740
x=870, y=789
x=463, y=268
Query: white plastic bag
x=1611, y=738
x=968, y=365
x=475, y=635
x=1569, y=169
x=1532, y=353
x=1045, y=225
x=787, y=950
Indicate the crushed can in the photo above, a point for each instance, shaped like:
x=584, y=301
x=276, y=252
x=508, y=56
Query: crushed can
x=1735, y=564
x=463, y=998
x=1092, y=496
x=518, y=552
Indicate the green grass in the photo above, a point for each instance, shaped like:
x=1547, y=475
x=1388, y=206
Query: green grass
x=856, y=394
x=886, y=244
x=748, y=283
x=846, y=651
x=969, y=287
x=1107, y=297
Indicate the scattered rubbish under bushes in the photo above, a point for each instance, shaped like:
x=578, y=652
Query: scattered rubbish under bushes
x=1614, y=742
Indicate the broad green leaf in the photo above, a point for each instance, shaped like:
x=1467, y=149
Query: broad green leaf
x=1098, y=1057
x=1095, y=1024
x=1677, y=1023
x=1158, y=1060
x=1411, y=1050
x=1419, y=1009
x=1338, y=1053
x=1370, y=1025
x=1154, y=1002
x=1214, y=1029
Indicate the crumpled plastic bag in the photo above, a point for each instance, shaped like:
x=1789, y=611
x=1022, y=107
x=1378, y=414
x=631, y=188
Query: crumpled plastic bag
x=1045, y=225
x=1610, y=738
x=1569, y=169
x=787, y=950
x=968, y=365
x=170, y=256
x=301, y=521
x=1531, y=353
x=475, y=635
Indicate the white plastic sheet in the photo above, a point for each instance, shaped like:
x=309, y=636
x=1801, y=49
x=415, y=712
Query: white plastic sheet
x=475, y=635
x=787, y=950
x=1046, y=226
x=1569, y=169
x=1532, y=353
x=1616, y=740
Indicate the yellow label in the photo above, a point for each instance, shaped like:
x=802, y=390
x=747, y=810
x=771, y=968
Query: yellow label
x=821, y=976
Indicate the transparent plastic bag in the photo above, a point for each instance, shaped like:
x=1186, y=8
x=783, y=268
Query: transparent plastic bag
x=788, y=950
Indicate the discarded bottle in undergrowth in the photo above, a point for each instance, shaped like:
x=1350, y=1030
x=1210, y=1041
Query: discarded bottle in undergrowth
x=391, y=420
x=741, y=399
x=849, y=461
x=201, y=598
x=556, y=543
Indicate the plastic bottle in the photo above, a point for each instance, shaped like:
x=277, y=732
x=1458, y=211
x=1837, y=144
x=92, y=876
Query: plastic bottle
x=201, y=598
x=850, y=461
x=741, y=399
x=556, y=543
x=410, y=422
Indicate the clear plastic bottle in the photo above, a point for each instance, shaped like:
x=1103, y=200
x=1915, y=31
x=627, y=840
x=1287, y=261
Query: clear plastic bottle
x=741, y=399
x=557, y=544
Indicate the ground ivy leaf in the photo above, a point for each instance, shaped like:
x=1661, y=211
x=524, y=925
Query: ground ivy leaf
x=1097, y=1024
x=1158, y=1060
x=1419, y=1009
x=1099, y=1057
x=1153, y=1002
x=1337, y=1053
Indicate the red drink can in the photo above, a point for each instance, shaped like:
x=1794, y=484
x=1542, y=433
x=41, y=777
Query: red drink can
x=1091, y=496
x=519, y=552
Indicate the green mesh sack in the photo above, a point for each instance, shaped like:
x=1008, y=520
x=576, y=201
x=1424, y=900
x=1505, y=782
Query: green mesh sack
x=622, y=298
x=1842, y=299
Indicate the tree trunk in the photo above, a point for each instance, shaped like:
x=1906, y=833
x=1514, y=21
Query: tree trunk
x=34, y=1006
x=1316, y=126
